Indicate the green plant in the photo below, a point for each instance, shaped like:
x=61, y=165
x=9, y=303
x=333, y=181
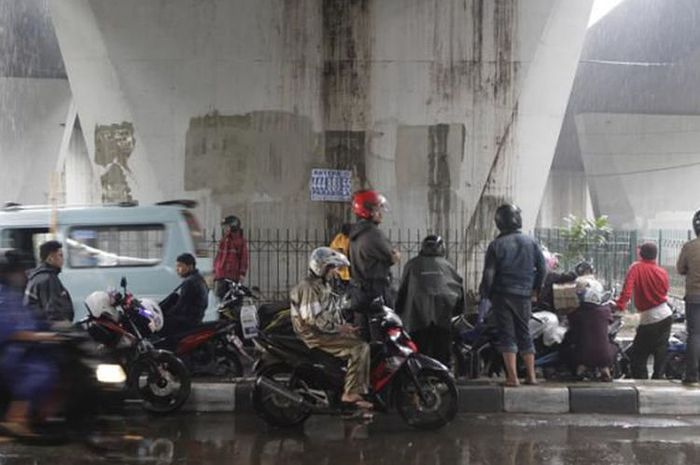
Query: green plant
x=581, y=234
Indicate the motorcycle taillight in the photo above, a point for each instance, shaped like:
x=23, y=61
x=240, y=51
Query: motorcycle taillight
x=393, y=333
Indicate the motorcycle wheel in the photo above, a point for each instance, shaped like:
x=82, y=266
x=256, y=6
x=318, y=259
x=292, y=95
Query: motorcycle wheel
x=228, y=361
x=162, y=382
x=274, y=409
x=440, y=406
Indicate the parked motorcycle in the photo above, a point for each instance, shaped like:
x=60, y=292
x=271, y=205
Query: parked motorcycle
x=475, y=354
x=89, y=384
x=294, y=381
x=122, y=324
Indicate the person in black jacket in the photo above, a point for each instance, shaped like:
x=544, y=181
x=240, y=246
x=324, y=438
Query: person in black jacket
x=45, y=293
x=431, y=293
x=184, y=308
x=371, y=256
x=513, y=272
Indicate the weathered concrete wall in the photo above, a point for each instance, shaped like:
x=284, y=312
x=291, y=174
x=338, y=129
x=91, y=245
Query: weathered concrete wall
x=641, y=166
x=234, y=102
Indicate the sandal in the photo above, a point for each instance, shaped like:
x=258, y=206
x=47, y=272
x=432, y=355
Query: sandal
x=356, y=405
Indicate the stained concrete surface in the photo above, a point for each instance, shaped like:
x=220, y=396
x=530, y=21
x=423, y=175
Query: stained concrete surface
x=470, y=439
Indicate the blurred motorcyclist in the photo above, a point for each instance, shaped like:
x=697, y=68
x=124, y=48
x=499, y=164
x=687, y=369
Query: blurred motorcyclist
x=318, y=321
x=28, y=371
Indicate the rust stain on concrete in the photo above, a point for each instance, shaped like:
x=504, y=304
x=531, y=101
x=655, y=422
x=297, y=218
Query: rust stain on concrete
x=345, y=86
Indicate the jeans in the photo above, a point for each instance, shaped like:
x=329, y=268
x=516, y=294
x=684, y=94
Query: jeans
x=512, y=315
x=692, y=351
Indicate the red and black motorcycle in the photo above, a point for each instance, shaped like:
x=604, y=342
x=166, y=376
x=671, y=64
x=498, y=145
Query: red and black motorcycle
x=213, y=348
x=294, y=381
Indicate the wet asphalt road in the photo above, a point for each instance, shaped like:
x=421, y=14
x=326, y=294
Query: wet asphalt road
x=470, y=439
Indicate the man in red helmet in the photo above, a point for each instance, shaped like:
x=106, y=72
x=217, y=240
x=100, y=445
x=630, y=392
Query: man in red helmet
x=371, y=253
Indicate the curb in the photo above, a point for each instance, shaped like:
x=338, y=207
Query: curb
x=618, y=398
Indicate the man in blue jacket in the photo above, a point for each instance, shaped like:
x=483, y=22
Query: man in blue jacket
x=513, y=272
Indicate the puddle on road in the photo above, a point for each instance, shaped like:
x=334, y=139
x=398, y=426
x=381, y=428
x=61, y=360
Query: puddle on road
x=469, y=440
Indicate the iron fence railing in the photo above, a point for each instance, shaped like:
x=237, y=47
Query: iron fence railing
x=279, y=257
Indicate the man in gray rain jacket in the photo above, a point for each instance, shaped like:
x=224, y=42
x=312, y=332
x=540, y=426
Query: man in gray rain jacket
x=431, y=293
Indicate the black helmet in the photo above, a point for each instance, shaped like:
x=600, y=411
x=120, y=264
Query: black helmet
x=433, y=245
x=696, y=223
x=232, y=221
x=583, y=268
x=12, y=260
x=508, y=218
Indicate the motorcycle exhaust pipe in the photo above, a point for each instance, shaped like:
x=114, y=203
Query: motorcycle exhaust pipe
x=277, y=388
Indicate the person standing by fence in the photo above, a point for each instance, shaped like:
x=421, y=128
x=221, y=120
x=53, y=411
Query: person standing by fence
x=232, y=256
x=649, y=283
x=431, y=293
x=688, y=265
x=371, y=255
x=514, y=269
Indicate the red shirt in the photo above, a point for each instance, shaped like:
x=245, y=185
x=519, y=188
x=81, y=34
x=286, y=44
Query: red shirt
x=650, y=285
x=232, y=258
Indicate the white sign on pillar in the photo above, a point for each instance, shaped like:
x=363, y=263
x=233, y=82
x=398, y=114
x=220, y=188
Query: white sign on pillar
x=330, y=185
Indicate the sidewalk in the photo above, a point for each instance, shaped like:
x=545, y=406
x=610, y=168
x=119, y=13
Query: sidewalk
x=486, y=396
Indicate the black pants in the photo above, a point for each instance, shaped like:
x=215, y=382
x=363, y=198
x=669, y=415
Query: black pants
x=650, y=339
x=692, y=354
x=434, y=342
x=362, y=295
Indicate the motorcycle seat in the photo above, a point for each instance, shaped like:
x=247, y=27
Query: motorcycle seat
x=296, y=345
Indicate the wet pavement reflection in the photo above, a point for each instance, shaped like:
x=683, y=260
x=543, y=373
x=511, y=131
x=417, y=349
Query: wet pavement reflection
x=483, y=440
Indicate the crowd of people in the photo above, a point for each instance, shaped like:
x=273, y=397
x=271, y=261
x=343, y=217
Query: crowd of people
x=329, y=306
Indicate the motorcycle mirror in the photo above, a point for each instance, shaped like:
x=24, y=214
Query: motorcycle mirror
x=122, y=283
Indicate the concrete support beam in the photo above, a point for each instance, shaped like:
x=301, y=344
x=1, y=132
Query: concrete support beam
x=543, y=101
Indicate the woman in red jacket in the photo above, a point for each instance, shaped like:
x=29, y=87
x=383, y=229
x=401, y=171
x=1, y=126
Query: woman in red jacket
x=232, y=257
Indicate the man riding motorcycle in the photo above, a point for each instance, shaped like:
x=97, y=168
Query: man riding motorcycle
x=317, y=320
x=30, y=373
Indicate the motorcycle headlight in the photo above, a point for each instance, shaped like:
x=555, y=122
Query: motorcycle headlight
x=111, y=374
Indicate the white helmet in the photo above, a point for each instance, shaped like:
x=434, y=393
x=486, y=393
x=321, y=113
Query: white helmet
x=590, y=291
x=151, y=310
x=100, y=304
x=324, y=257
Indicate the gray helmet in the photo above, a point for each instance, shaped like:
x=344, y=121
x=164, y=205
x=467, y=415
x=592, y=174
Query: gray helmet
x=323, y=258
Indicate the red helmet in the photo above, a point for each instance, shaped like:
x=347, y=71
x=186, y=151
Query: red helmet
x=366, y=201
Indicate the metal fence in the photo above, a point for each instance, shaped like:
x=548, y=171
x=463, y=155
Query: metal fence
x=620, y=250
x=279, y=257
